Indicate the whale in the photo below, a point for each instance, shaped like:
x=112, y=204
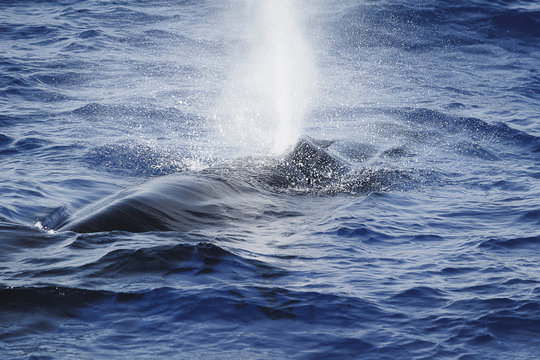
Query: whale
x=231, y=192
x=211, y=197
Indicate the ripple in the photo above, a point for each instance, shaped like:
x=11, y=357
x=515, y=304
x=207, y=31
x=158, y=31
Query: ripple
x=531, y=243
x=30, y=143
x=421, y=296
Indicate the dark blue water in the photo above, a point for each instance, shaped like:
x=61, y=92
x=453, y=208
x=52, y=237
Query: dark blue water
x=405, y=224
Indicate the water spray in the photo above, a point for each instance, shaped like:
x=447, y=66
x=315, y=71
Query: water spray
x=270, y=88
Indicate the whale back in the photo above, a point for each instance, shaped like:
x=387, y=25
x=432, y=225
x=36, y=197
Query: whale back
x=224, y=194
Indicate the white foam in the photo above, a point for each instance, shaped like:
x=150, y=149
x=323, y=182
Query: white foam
x=40, y=227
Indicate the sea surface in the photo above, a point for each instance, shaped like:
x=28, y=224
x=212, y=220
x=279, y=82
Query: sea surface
x=151, y=207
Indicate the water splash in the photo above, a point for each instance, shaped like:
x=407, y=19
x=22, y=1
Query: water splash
x=270, y=88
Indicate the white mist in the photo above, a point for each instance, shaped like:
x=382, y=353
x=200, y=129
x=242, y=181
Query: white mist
x=271, y=84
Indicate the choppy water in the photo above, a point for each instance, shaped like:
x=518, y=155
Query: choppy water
x=404, y=224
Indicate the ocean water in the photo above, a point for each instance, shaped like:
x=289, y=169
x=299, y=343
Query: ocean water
x=270, y=179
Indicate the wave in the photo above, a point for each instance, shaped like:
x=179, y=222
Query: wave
x=129, y=115
x=134, y=160
x=411, y=26
x=343, y=326
x=5, y=140
x=184, y=259
x=433, y=125
x=519, y=243
x=42, y=148
x=98, y=109
x=256, y=303
x=474, y=127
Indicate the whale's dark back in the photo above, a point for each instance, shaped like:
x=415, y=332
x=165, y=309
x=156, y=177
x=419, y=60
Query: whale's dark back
x=174, y=202
x=213, y=197
x=225, y=194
